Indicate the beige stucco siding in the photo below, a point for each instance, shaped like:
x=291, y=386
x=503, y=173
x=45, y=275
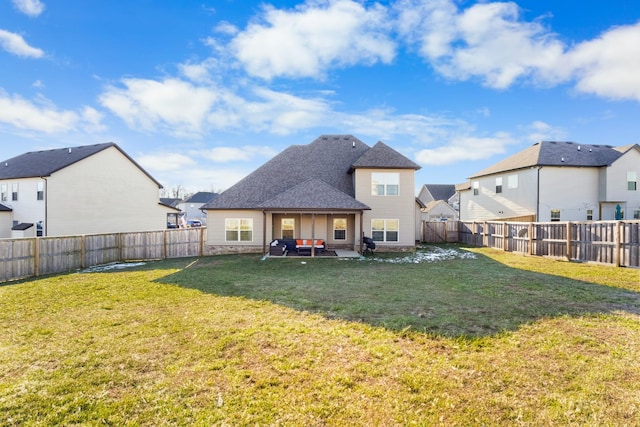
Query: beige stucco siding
x=400, y=207
x=216, y=233
x=103, y=193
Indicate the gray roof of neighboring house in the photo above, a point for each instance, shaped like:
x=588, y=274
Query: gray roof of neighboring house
x=22, y=226
x=202, y=197
x=553, y=153
x=329, y=159
x=35, y=164
x=441, y=191
x=4, y=208
x=170, y=201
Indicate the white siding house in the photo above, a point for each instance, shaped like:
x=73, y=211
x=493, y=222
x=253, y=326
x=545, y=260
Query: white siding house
x=80, y=190
x=556, y=181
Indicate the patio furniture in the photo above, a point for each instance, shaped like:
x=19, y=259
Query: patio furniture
x=277, y=248
x=303, y=246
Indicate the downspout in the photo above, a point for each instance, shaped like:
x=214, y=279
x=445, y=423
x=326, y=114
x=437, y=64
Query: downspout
x=264, y=232
x=46, y=204
x=538, y=194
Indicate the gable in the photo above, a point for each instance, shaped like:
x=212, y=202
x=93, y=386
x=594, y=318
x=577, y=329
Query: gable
x=46, y=162
x=384, y=157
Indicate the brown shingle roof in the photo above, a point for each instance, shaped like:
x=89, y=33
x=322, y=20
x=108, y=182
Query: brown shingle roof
x=383, y=156
x=325, y=163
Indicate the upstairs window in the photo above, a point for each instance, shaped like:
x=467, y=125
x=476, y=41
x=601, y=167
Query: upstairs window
x=40, y=192
x=385, y=184
x=512, y=181
x=3, y=192
x=499, y=184
x=476, y=188
x=238, y=230
x=555, y=215
x=632, y=181
x=14, y=191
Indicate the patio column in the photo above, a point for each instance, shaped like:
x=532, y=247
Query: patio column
x=313, y=234
x=264, y=233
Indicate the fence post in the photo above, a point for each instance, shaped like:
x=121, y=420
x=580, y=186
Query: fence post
x=617, y=241
x=164, y=244
x=36, y=257
x=505, y=236
x=485, y=235
x=82, y=251
x=568, y=254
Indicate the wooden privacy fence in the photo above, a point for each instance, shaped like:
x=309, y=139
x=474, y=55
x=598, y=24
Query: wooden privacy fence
x=605, y=242
x=28, y=257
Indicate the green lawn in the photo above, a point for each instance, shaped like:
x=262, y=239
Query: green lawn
x=498, y=339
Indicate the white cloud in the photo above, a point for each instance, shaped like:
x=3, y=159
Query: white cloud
x=234, y=154
x=541, y=131
x=608, y=66
x=29, y=7
x=15, y=44
x=172, y=105
x=464, y=148
x=177, y=168
x=165, y=161
x=316, y=35
x=43, y=116
x=487, y=40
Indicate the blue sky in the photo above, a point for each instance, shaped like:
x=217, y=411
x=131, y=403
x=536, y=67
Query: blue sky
x=201, y=93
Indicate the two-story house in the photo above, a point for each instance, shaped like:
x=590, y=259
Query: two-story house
x=556, y=181
x=78, y=190
x=336, y=188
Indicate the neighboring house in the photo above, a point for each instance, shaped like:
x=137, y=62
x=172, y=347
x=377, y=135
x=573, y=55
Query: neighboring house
x=441, y=202
x=79, y=190
x=336, y=188
x=193, y=205
x=556, y=181
x=173, y=217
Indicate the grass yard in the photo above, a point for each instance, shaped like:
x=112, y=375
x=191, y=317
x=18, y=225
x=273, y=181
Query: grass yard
x=468, y=337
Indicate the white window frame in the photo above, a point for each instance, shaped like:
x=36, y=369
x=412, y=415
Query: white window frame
x=555, y=215
x=589, y=214
x=476, y=188
x=512, y=181
x=337, y=227
x=3, y=192
x=293, y=228
x=14, y=191
x=387, y=229
x=385, y=184
x=40, y=191
x=498, y=184
x=229, y=226
x=632, y=181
